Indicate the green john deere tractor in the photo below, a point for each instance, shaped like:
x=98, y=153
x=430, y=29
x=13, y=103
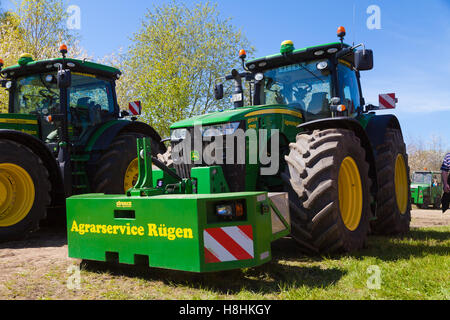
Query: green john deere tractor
x=426, y=189
x=344, y=167
x=299, y=154
x=64, y=134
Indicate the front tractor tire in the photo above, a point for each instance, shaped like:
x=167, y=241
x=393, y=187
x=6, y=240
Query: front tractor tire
x=24, y=191
x=117, y=169
x=329, y=191
x=394, y=196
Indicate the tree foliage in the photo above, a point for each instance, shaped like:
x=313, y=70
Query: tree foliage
x=174, y=60
x=426, y=155
x=36, y=27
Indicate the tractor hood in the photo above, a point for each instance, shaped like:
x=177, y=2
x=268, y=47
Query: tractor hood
x=233, y=115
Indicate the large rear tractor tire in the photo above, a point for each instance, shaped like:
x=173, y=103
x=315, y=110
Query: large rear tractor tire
x=117, y=169
x=24, y=191
x=394, y=196
x=329, y=191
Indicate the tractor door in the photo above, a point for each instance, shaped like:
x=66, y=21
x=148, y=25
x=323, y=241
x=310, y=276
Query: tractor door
x=91, y=102
x=349, y=89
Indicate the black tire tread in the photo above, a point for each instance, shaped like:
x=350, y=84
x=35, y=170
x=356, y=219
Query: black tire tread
x=389, y=221
x=108, y=178
x=312, y=162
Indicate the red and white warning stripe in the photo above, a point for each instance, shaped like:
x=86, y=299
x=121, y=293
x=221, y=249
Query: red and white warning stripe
x=135, y=108
x=387, y=101
x=228, y=244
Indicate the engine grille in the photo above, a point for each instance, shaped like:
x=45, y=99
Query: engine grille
x=234, y=173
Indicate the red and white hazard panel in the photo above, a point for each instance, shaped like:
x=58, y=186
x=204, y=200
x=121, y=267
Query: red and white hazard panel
x=387, y=101
x=135, y=108
x=228, y=244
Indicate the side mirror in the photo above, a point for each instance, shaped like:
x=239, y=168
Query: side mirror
x=124, y=113
x=218, y=91
x=335, y=101
x=64, y=79
x=364, y=60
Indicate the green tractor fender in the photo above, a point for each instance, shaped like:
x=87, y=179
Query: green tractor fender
x=105, y=134
x=113, y=145
x=48, y=160
x=371, y=132
x=377, y=126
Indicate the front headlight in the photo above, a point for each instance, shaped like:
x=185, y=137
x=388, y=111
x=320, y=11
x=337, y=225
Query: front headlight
x=220, y=129
x=178, y=134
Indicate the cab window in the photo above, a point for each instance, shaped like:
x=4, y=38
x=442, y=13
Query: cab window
x=90, y=100
x=348, y=88
x=34, y=94
x=89, y=91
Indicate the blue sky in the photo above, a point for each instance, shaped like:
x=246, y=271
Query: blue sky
x=411, y=49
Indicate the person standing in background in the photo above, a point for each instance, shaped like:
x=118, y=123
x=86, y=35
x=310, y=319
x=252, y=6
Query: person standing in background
x=445, y=168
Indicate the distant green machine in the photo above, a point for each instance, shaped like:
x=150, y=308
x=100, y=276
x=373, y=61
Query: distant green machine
x=426, y=189
x=343, y=172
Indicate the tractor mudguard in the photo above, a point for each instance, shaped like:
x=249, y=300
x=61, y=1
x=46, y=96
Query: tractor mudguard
x=41, y=150
x=102, y=138
x=355, y=126
x=377, y=126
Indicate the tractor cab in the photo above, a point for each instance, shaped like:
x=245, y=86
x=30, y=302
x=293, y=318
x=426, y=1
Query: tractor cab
x=65, y=99
x=320, y=81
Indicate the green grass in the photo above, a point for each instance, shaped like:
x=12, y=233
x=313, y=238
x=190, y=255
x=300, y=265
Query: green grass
x=414, y=267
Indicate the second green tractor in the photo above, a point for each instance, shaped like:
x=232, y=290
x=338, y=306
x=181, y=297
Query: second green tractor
x=344, y=167
x=426, y=189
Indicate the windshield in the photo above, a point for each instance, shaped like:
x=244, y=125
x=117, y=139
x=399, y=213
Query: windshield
x=301, y=86
x=421, y=178
x=36, y=94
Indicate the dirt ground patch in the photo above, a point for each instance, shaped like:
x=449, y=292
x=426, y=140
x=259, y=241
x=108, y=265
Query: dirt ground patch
x=44, y=257
x=429, y=218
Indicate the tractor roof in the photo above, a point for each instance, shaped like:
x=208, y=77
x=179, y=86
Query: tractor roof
x=297, y=55
x=50, y=65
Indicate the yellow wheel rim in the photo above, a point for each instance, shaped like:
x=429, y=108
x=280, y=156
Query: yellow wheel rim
x=17, y=194
x=350, y=194
x=131, y=175
x=401, y=184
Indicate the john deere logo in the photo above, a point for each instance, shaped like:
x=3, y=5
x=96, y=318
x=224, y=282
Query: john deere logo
x=195, y=156
x=123, y=204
